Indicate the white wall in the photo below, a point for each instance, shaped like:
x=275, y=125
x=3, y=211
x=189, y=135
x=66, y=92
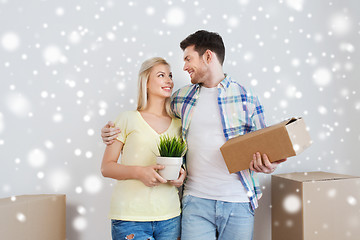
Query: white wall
x=67, y=67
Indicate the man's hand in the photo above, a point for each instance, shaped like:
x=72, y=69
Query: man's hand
x=109, y=133
x=149, y=175
x=178, y=182
x=263, y=165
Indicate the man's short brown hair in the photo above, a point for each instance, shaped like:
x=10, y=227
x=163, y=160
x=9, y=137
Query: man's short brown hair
x=204, y=40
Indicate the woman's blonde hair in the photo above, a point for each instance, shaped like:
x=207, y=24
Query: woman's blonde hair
x=144, y=74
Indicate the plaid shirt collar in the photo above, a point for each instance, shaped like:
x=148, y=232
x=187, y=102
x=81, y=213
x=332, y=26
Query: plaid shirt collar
x=225, y=83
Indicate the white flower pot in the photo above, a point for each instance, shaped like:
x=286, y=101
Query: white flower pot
x=172, y=167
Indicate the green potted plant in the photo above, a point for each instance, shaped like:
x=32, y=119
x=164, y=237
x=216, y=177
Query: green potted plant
x=171, y=151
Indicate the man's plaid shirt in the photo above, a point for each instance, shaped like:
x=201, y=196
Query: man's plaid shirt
x=241, y=113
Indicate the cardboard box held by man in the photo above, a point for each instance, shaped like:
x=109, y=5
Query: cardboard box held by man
x=285, y=139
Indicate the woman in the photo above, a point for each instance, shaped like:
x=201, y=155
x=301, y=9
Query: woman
x=143, y=204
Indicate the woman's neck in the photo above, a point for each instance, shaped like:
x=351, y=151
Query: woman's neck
x=156, y=106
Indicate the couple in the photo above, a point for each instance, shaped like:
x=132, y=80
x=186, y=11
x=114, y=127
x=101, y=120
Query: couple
x=213, y=109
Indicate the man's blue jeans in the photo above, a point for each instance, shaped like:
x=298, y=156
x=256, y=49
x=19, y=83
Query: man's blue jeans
x=206, y=219
x=159, y=230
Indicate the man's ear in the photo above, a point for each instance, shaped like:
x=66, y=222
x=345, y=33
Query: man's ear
x=208, y=56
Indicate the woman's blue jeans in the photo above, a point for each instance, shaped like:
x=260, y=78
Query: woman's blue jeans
x=153, y=230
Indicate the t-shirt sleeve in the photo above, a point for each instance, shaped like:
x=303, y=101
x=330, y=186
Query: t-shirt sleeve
x=122, y=123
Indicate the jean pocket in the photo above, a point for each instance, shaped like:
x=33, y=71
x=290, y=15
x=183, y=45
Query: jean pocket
x=251, y=210
x=185, y=201
x=115, y=222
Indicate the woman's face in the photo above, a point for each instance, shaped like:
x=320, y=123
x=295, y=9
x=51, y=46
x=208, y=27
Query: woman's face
x=160, y=82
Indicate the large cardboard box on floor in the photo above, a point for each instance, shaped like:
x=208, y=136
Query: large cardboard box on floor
x=315, y=206
x=279, y=141
x=30, y=217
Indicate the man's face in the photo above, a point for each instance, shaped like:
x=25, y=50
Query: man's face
x=194, y=65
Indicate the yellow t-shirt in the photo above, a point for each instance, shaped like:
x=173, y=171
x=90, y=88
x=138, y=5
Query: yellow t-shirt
x=131, y=199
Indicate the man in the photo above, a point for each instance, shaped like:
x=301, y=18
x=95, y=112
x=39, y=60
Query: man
x=214, y=109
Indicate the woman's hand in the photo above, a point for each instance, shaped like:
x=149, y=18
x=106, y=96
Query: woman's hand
x=180, y=181
x=149, y=175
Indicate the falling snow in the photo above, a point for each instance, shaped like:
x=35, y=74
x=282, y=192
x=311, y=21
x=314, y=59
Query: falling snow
x=18, y=104
x=322, y=76
x=340, y=24
x=36, y=158
x=10, y=41
x=21, y=217
x=292, y=204
x=92, y=184
x=80, y=223
x=295, y=4
x=175, y=16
